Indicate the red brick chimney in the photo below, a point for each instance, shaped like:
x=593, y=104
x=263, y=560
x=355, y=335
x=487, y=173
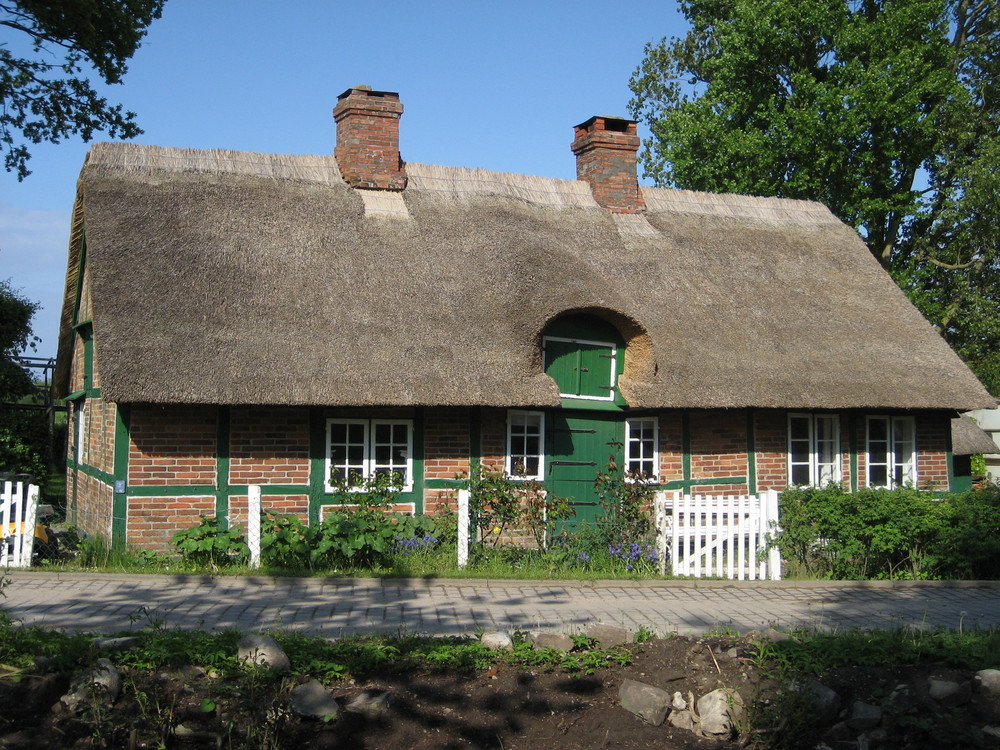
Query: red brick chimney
x=605, y=149
x=367, y=149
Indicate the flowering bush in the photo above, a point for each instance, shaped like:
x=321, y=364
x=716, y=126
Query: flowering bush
x=636, y=557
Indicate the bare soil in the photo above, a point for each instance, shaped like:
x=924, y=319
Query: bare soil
x=503, y=708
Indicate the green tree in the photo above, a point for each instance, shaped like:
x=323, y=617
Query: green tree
x=48, y=97
x=24, y=435
x=887, y=111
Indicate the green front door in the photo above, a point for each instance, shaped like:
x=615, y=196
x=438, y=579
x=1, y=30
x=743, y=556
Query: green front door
x=579, y=444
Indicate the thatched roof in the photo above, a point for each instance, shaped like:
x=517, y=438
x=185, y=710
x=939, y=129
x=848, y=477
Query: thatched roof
x=225, y=277
x=968, y=438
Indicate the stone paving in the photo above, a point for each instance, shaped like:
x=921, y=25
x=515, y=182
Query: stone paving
x=333, y=607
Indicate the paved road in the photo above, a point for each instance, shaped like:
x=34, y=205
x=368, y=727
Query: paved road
x=334, y=607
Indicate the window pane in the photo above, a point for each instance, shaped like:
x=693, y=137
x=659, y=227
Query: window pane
x=524, y=444
x=798, y=428
x=878, y=476
x=800, y=475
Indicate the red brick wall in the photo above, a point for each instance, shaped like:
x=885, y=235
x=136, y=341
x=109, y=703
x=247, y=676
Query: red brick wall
x=671, y=447
x=718, y=445
x=771, y=442
x=152, y=521
x=90, y=503
x=282, y=505
x=446, y=442
x=172, y=445
x=269, y=445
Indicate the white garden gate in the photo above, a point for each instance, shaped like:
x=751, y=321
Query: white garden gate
x=723, y=536
x=18, y=511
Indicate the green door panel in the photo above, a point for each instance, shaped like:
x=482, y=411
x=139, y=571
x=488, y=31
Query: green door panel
x=579, y=444
x=581, y=368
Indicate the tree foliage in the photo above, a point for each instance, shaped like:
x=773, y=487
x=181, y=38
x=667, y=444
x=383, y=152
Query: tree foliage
x=15, y=337
x=887, y=111
x=48, y=97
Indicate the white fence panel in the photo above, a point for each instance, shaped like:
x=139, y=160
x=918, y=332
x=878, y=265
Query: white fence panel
x=723, y=536
x=18, y=511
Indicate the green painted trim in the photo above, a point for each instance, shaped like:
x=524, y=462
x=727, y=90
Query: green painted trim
x=80, y=268
x=91, y=471
x=444, y=484
x=852, y=448
x=583, y=404
x=417, y=440
x=685, y=484
x=317, y=461
x=222, y=456
x=475, y=438
x=75, y=396
x=119, y=503
x=751, y=454
x=175, y=490
x=87, y=334
x=685, y=445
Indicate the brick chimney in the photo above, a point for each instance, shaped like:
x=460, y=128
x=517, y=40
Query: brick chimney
x=605, y=149
x=367, y=149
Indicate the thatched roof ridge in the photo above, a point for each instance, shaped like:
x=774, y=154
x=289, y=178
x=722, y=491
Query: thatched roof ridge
x=223, y=277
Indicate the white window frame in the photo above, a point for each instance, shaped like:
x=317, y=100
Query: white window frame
x=81, y=430
x=899, y=471
x=509, y=461
x=821, y=472
x=369, y=465
x=614, y=365
x=631, y=445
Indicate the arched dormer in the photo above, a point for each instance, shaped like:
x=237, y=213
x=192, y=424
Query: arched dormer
x=585, y=353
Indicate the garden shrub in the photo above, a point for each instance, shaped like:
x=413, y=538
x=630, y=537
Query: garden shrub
x=871, y=533
x=211, y=544
x=968, y=546
x=500, y=503
x=626, y=502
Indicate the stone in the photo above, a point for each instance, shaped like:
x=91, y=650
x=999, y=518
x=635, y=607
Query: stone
x=102, y=683
x=557, y=641
x=311, y=699
x=825, y=701
x=264, y=651
x=678, y=703
x=721, y=713
x=123, y=643
x=949, y=693
x=681, y=720
x=648, y=702
x=986, y=694
x=609, y=635
x=372, y=704
x=864, y=716
x=991, y=731
x=499, y=640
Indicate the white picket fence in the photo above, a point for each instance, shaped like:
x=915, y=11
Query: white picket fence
x=18, y=511
x=724, y=536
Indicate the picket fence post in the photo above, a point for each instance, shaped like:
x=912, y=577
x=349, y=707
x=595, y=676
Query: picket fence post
x=253, y=524
x=463, y=528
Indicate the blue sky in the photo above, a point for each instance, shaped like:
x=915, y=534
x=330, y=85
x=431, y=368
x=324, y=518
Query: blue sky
x=497, y=85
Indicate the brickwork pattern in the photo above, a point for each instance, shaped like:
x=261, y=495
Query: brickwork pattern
x=90, y=504
x=718, y=444
x=152, y=521
x=933, y=440
x=172, y=445
x=771, y=443
x=494, y=439
x=367, y=150
x=671, y=447
x=269, y=445
x=605, y=150
x=281, y=505
x=446, y=442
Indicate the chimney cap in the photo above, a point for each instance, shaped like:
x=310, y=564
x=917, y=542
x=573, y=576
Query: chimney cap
x=607, y=123
x=368, y=91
